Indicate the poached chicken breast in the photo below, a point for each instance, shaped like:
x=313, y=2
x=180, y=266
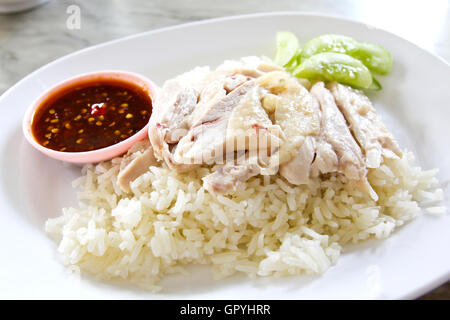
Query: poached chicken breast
x=250, y=117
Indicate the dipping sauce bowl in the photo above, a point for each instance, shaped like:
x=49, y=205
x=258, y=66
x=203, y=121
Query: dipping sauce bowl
x=92, y=117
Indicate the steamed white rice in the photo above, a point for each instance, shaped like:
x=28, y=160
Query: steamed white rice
x=268, y=228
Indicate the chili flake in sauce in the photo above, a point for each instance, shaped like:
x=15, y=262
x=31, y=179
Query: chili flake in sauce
x=91, y=116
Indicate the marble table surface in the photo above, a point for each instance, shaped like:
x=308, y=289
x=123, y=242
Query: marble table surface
x=30, y=39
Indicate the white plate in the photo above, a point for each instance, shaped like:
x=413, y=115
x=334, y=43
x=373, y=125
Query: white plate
x=414, y=104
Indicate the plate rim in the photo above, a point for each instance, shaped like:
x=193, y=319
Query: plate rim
x=221, y=19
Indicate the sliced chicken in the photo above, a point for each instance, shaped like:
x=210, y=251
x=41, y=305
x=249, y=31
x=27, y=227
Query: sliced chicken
x=297, y=171
x=298, y=115
x=227, y=178
x=325, y=158
x=239, y=167
x=207, y=136
x=370, y=133
x=296, y=112
x=171, y=112
x=335, y=133
x=133, y=167
x=191, y=119
x=250, y=126
x=250, y=117
x=250, y=66
x=332, y=149
x=178, y=123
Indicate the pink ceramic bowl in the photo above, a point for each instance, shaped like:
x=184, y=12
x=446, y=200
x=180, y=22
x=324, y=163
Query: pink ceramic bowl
x=98, y=155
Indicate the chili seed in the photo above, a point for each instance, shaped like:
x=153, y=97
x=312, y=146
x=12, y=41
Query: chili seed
x=121, y=111
x=63, y=149
x=78, y=117
x=79, y=141
x=124, y=105
x=99, y=123
x=129, y=116
x=117, y=132
x=48, y=135
x=68, y=126
x=54, y=121
x=55, y=130
x=47, y=120
x=46, y=143
x=84, y=110
x=101, y=117
x=112, y=124
x=51, y=111
x=123, y=136
x=91, y=119
x=143, y=112
x=81, y=131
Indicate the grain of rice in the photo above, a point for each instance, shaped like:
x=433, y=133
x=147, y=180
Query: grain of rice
x=435, y=211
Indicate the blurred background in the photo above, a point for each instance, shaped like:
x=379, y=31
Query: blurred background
x=36, y=32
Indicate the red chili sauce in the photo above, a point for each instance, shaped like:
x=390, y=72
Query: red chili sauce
x=91, y=116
